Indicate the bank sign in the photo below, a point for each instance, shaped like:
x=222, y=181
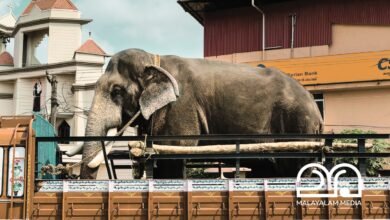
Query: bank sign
x=356, y=67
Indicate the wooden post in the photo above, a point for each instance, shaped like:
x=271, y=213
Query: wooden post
x=54, y=102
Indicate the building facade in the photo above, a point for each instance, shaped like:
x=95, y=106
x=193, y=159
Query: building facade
x=48, y=42
x=338, y=49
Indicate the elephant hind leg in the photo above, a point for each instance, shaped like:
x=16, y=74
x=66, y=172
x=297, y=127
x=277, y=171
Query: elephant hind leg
x=293, y=121
x=285, y=121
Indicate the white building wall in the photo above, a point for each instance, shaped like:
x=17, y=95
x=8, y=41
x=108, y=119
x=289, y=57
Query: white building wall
x=64, y=40
x=89, y=58
x=23, y=96
x=64, y=13
x=87, y=74
x=7, y=107
x=18, y=50
x=36, y=14
x=87, y=98
x=64, y=93
x=83, y=101
x=6, y=67
x=7, y=87
x=6, y=104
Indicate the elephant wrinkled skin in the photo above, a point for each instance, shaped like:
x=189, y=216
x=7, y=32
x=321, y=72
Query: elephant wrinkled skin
x=194, y=96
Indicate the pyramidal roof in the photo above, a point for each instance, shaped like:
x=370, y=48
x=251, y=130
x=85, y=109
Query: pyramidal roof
x=6, y=59
x=91, y=47
x=50, y=4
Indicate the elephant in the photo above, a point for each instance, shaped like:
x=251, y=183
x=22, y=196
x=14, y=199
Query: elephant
x=183, y=96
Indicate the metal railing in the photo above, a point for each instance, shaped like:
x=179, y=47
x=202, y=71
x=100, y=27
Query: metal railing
x=361, y=153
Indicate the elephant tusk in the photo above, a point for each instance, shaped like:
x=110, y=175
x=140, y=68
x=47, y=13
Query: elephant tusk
x=75, y=150
x=99, y=158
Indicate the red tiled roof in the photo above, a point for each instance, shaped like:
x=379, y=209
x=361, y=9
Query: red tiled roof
x=6, y=59
x=50, y=4
x=90, y=47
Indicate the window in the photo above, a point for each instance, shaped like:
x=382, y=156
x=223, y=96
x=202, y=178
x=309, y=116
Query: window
x=16, y=187
x=35, y=47
x=1, y=170
x=64, y=131
x=319, y=99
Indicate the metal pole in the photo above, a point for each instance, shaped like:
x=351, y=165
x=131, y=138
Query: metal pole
x=328, y=161
x=149, y=163
x=263, y=26
x=106, y=161
x=113, y=168
x=184, y=169
x=362, y=161
x=237, y=175
x=293, y=20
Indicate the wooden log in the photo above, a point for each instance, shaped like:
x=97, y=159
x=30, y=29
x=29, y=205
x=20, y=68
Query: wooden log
x=137, y=148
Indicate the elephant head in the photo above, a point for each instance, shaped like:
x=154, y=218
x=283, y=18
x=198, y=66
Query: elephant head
x=133, y=82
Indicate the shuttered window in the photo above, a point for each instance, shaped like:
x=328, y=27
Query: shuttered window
x=1, y=169
x=16, y=187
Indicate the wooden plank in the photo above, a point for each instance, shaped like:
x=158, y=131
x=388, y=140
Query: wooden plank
x=248, y=204
x=7, y=135
x=210, y=204
x=47, y=206
x=86, y=205
x=12, y=121
x=343, y=211
x=137, y=149
x=280, y=203
x=125, y=205
x=375, y=204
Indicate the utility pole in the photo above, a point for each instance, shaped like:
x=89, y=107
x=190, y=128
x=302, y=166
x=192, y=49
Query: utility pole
x=54, y=102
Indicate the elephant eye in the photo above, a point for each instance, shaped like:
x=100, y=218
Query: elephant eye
x=117, y=91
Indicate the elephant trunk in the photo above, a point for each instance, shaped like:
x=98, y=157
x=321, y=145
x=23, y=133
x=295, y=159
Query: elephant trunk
x=103, y=119
x=91, y=148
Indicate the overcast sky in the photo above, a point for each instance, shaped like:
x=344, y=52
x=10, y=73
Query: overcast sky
x=157, y=26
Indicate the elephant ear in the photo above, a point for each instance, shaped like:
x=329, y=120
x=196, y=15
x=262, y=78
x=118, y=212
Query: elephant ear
x=160, y=89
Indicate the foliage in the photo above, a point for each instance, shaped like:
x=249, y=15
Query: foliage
x=373, y=165
x=198, y=173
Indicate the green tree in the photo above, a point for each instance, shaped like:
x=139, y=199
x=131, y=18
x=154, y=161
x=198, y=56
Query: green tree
x=378, y=145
